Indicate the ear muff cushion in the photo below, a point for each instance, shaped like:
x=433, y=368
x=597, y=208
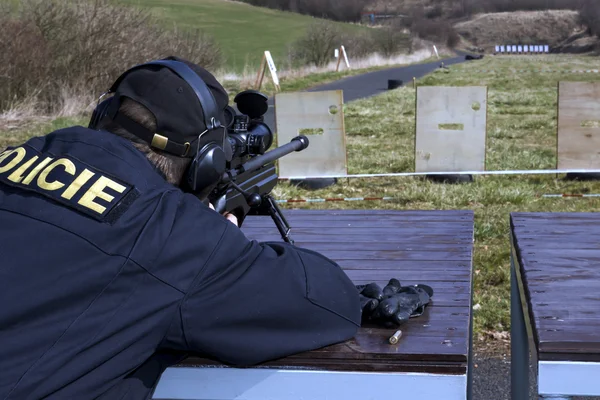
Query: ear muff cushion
x=207, y=168
x=99, y=113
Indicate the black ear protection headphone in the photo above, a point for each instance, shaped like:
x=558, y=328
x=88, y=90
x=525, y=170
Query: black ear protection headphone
x=211, y=155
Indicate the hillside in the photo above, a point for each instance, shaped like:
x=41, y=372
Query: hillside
x=526, y=27
x=487, y=23
x=243, y=31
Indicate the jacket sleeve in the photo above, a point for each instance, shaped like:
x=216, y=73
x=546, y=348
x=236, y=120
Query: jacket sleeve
x=255, y=302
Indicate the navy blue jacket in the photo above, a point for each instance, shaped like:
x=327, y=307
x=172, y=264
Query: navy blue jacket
x=108, y=274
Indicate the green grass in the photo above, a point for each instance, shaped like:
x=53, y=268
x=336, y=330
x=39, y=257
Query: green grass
x=243, y=31
x=522, y=112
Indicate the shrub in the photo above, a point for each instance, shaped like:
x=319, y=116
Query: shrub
x=390, y=40
x=52, y=46
x=317, y=46
x=359, y=44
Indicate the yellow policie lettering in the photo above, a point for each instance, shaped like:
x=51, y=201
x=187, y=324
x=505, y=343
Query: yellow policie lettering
x=81, y=180
x=44, y=184
x=17, y=175
x=20, y=155
x=96, y=191
x=21, y=174
x=36, y=170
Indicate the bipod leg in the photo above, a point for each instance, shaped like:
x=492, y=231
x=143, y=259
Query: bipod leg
x=274, y=211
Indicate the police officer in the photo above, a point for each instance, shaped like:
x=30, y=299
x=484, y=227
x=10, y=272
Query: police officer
x=110, y=271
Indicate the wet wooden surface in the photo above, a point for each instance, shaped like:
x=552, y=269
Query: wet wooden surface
x=558, y=258
x=429, y=247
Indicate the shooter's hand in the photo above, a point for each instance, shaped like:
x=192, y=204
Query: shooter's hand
x=232, y=218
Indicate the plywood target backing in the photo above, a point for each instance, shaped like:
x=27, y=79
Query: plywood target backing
x=320, y=117
x=579, y=125
x=451, y=129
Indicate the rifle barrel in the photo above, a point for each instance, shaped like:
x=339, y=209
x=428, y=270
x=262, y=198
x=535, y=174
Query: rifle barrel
x=298, y=143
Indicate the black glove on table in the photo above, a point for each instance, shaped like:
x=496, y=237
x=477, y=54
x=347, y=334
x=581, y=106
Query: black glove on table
x=394, y=304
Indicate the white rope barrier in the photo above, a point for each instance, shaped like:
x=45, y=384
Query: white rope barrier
x=403, y=174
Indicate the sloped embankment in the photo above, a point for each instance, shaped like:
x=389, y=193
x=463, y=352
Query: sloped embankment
x=555, y=28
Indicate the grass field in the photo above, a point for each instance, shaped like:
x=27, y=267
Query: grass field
x=243, y=31
x=522, y=112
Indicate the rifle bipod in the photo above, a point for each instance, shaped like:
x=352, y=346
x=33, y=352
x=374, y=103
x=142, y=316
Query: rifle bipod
x=269, y=206
x=265, y=205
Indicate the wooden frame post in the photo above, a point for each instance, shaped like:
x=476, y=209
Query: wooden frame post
x=261, y=73
x=267, y=61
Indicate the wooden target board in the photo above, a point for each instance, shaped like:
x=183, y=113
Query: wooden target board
x=451, y=129
x=579, y=125
x=320, y=117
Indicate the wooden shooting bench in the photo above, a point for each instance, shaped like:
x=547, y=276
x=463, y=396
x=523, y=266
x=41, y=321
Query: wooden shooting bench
x=432, y=359
x=555, y=303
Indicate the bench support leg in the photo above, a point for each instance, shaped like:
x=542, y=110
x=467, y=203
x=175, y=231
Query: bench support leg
x=519, y=357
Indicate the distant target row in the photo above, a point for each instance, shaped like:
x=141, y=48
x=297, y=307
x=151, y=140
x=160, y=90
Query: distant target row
x=451, y=128
x=522, y=49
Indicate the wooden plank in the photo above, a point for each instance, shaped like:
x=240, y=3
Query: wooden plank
x=585, y=296
x=550, y=308
x=372, y=255
x=405, y=265
x=581, y=325
x=529, y=217
x=450, y=128
x=389, y=244
x=567, y=273
x=581, y=286
x=559, y=222
x=425, y=276
x=562, y=281
x=564, y=313
x=578, y=242
x=578, y=125
x=376, y=215
x=306, y=240
x=351, y=231
x=347, y=213
x=300, y=111
x=372, y=237
x=388, y=223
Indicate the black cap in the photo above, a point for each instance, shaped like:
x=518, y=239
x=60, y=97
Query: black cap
x=175, y=105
